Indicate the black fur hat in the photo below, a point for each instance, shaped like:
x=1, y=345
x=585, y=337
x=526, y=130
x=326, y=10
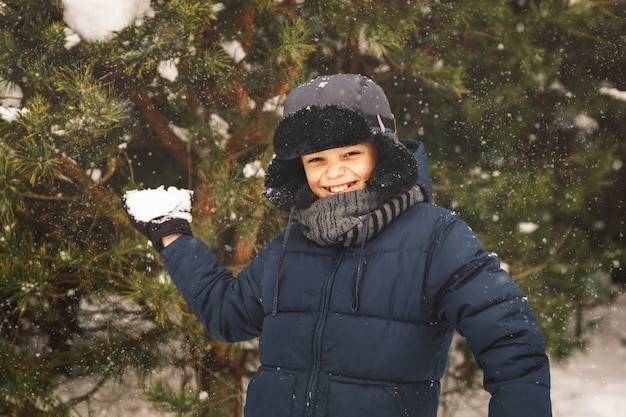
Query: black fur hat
x=332, y=112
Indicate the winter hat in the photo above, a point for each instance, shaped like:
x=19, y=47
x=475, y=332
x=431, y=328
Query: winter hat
x=331, y=112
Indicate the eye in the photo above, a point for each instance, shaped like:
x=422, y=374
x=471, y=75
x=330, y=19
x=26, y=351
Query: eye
x=314, y=159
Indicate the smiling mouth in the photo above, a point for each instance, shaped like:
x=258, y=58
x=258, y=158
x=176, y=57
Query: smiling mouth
x=339, y=188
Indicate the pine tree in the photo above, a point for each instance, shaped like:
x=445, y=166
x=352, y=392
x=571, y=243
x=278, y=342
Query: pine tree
x=508, y=99
x=537, y=146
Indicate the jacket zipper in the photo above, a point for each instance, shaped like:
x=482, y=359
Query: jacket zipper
x=318, y=336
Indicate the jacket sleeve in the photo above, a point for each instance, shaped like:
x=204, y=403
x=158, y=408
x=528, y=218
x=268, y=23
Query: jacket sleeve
x=228, y=306
x=481, y=301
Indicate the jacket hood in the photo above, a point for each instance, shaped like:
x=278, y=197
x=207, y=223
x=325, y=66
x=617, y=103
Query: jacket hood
x=331, y=112
x=418, y=151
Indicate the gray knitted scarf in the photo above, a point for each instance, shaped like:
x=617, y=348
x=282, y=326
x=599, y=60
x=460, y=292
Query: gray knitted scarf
x=340, y=219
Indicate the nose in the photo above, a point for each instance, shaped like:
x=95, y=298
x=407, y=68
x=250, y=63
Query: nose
x=335, y=169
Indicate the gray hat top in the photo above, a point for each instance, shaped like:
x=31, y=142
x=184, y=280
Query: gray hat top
x=354, y=91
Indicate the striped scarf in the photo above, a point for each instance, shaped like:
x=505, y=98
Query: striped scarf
x=340, y=219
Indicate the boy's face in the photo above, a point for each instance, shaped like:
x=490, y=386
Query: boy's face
x=337, y=170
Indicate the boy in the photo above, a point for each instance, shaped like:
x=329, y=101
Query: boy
x=355, y=303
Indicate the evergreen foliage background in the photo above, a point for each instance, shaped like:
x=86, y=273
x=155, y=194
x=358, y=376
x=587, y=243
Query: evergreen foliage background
x=517, y=102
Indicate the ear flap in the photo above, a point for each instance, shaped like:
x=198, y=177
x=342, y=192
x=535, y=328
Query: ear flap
x=286, y=185
x=396, y=170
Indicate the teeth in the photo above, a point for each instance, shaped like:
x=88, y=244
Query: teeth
x=338, y=189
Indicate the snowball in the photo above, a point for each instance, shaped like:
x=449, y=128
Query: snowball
x=71, y=38
x=95, y=174
x=585, y=123
x=95, y=20
x=10, y=94
x=168, y=70
x=9, y=114
x=180, y=132
x=234, y=50
x=527, y=227
x=159, y=203
x=613, y=92
x=274, y=104
x=219, y=125
x=254, y=169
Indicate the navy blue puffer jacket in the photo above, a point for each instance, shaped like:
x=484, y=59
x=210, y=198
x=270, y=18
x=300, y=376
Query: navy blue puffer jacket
x=426, y=275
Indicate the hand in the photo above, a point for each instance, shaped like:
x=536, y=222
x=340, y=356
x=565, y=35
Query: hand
x=157, y=213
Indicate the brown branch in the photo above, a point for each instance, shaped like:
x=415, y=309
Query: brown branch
x=159, y=125
x=34, y=196
x=104, y=197
x=530, y=271
x=86, y=396
x=543, y=265
x=107, y=176
x=602, y=3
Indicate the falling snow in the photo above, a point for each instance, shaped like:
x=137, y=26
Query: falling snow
x=591, y=384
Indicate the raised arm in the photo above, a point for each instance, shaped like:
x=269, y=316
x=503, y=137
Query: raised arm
x=228, y=306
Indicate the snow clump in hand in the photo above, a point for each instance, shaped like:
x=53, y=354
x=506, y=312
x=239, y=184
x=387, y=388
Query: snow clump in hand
x=159, y=204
